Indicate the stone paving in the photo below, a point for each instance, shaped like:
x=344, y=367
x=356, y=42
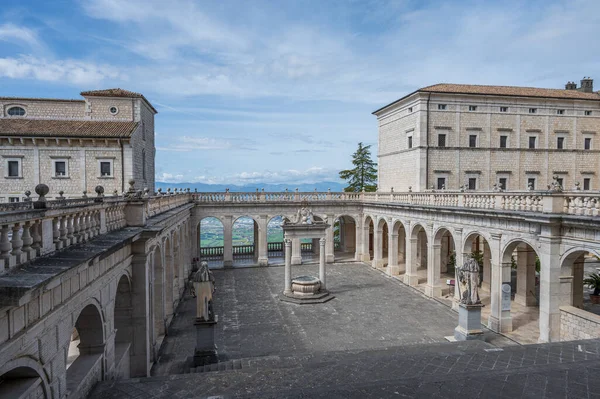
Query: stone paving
x=377, y=338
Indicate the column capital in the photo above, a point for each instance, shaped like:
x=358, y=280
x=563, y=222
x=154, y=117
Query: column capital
x=287, y=242
x=496, y=236
x=322, y=241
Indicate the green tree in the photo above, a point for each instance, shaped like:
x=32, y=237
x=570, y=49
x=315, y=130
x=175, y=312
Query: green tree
x=364, y=173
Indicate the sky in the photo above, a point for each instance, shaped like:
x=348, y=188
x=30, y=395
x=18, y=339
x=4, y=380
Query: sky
x=282, y=91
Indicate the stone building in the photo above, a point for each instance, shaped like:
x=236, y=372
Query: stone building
x=75, y=145
x=476, y=137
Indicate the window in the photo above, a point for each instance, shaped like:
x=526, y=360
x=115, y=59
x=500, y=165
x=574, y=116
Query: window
x=441, y=183
x=473, y=140
x=503, y=141
x=113, y=110
x=502, y=183
x=560, y=143
x=560, y=111
x=106, y=168
x=503, y=109
x=586, y=183
x=60, y=168
x=532, y=110
x=13, y=168
x=16, y=111
x=441, y=106
x=587, y=143
x=531, y=183
x=472, y=107
x=410, y=109
x=441, y=140
x=143, y=131
x=532, y=140
x=13, y=199
x=588, y=113
x=472, y=183
x=144, y=164
x=409, y=141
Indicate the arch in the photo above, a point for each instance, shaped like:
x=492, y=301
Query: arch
x=244, y=240
x=169, y=278
x=210, y=232
x=470, y=237
x=444, y=252
x=397, y=224
x=572, y=272
x=367, y=240
x=398, y=260
x=344, y=237
x=416, y=228
x=21, y=376
x=275, y=246
x=381, y=243
x=123, y=326
x=158, y=299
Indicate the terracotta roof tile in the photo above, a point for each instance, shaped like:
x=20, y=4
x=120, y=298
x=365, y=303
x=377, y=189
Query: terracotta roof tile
x=58, y=128
x=116, y=92
x=510, y=91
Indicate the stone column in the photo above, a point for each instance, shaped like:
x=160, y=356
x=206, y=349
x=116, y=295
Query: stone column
x=377, y=247
x=366, y=255
x=330, y=244
x=525, y=276
x=550, y=296
x=141, y=320
x=393, y=268
x=322, y=257
x=227, y=241
x=296, y=251
x=458, y=253
x=359, y=240
x=287, y=287
x=411, y=277
x=263, y=257
x=499, y=320
x=433, y=288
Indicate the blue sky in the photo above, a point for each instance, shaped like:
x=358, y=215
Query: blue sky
x=282, y=91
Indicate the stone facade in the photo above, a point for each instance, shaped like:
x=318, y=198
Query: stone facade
x=578, y=324
x=427, y=115
x=130, y=156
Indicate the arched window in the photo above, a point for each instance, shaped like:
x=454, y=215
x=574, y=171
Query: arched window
x=16, y=111
x=144, y=164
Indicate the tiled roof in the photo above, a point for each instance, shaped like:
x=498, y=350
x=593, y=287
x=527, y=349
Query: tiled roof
x=57, y=128
x=511, y=91
x=116, y=92
x=40, y=99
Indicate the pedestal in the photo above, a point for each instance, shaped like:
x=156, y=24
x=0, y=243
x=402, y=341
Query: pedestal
x=205, y=351
x=469, y=323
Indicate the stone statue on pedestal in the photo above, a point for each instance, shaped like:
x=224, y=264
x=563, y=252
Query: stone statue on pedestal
x=468, y=278
x=204, y=286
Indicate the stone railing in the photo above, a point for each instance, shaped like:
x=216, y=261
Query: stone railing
x=576, y=324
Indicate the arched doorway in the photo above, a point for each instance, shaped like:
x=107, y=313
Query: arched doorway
x=397, y=250
x=275, y=246
x=123, y=327
x=475, y=245
x=444, y=262
x=380, y=245
x=211, y=233
x=367, y=240
x=86, y=352
x=344, y=238
x=245, y=241
x=416, y=266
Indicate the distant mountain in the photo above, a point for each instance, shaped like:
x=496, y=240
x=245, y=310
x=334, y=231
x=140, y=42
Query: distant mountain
x=201, y=187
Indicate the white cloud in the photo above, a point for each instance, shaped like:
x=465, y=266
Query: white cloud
x=170, y=178
x=188, y=143
x=20, y=35
x=291, y=176
x=70, y=71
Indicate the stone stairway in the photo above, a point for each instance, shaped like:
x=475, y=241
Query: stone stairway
x=466, y=369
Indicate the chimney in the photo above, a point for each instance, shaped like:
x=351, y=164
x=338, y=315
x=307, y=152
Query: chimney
x=570, y=86
x=587, y=85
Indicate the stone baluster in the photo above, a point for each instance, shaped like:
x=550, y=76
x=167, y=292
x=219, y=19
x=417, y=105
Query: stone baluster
x=63, y=231
x=37, y=237
x=96, y=218
x=77, y=228
x=92, y=222
x=70, y=222
x=56, y=232
x=16, y=241
x=27, y=239
x=5, y=246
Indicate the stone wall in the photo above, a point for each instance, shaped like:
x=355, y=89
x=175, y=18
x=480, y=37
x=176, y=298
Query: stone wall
x=143, y=149
x=578, y=324
x=46, y=109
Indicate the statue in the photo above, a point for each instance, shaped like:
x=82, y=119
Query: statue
x=468, y=278
x=555, y=185
x=204, y=287
x=303, y=216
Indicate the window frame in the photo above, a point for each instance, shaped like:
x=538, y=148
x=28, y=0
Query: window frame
x=7, y=162
x=472, y=108
x=442, y=140
x=505, y=137
x=587, y=180
x=474, y=180
x=441, y=180
x=533, y=110
x=561, y=140
x=503, y=109
x=476, y=136
x=587, y=143
x=409, y=141
x=560, y=111
x=535, y=142
x=503, y=186
x=534, y=182
x=66, y=162
x=116, y=110
x=442, y=107
x=587, y=112
x=11, y=107
x=111, y=163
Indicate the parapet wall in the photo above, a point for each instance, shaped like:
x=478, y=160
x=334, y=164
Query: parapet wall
x=578, y=324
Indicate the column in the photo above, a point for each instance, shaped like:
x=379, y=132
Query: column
x=411, y=277
x=263, y=257
x=377, y=244
x=366, y=255
x=322, y=257
x=287, y=286
x=358, y=234
x=296, y=251
x=141, y=319
x=330, y=244
x=433, y=288
x=393, y=268
x=550, y=295
x=227, y=241
x=459, y=259
x=525, y=276
x=500, y=320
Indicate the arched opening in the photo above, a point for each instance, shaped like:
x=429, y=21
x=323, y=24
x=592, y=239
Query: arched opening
x=178, y=276
x=275, y=240
x=245, y=241
x=344, y=238
x=169, y=281
x=476, y=246
x=368, y=231
x=211, y=233
x=397, y=250
x=416, y=272
x=123, y=327
x=380, y=245
x=444, y=263
x=524, y=311
x=86, y=352
x=23, y=383
x=158, y=306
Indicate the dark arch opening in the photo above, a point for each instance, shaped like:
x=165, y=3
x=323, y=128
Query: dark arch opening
x=22, y=382
x=124, y=327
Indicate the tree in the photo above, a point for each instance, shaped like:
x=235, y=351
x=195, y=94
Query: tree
x=364, y=173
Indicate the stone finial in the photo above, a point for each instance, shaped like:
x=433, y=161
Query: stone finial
x=315, y=189
x=189, y=190
x=227, y=190
x=530, y=186
x=99, y=190
x=196, y=190
x=84, y=194
x=262, y=190
x=410, y=189
x=169, y=191
x=160, y=191
x=146, y=192
x=176, y=191
x=577, y=188
x=286, y=190
x=115, y=193
x=296, y=189
x=391, y=189
x=60, y=195
x=41, y=190
x=27, y=194
x=329, y=190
